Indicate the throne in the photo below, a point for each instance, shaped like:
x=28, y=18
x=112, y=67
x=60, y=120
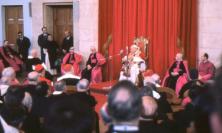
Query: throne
x=142, y=43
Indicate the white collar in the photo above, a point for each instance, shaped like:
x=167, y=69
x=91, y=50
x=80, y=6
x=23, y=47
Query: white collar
x=30, y=57
x=57, y=93
x=68, y=75
x=125, y=128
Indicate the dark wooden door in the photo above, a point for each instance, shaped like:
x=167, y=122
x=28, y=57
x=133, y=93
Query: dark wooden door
x=13, y=22
x=63, y=20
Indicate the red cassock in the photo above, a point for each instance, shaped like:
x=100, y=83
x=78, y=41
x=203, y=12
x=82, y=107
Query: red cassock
x=183, y=79
x=13, y=61
x=206, y=70
x=96, y=75
x=73, y=59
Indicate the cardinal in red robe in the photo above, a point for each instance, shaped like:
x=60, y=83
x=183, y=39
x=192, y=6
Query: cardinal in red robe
x=73, y=59
x=10, y=57
x=93, y=70
x=177, y=75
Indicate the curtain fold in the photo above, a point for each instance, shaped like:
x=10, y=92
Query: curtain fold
x=170, y=26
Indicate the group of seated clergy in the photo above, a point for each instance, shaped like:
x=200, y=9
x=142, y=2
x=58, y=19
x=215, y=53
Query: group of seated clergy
x=93, y=72
x=176, y=76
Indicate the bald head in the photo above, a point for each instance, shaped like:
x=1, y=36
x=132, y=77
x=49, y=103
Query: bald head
x=83, y=85
x=33, y=77
x=34, y=52
x=122, y=96
x=9, y=72
x=124, y=102
x=149, y=106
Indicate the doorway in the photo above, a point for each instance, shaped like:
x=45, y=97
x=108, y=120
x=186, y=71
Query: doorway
x=58, y=19
x=13, y=22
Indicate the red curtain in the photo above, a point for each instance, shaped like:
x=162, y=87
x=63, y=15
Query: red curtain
x=105, y=21
x=170, y=26
x=105, y=29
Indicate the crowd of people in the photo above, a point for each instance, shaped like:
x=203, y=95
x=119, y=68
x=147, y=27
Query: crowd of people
x=54, y=96
x=37, y=107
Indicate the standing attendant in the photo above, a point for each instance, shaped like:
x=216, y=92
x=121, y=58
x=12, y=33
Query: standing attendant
x=23, y=46
x=67, y=42
x=51, y=55
x=42, y=42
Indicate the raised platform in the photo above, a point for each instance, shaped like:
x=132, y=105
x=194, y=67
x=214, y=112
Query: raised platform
x=103, y=87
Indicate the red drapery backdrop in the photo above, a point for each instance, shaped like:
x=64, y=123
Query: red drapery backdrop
x=170, y=26
x=105, y=29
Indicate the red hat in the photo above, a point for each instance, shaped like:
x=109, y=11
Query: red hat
x=38, y=68
x=67, y=68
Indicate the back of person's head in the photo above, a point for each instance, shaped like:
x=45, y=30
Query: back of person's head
x=148, y=90
x=83, y=85
x=69, y=116
x=42, y=89
x=124, y=102
x=14, y=96
x=196, y=90
x=216, y=117
x=60, y=86
x=202, y=108
x=34, y=53
x=33, y=77
x=8, y=72
x=149, y=107
x=13, y=111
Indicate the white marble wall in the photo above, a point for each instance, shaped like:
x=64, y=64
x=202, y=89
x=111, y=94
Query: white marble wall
x=88, y=25
x=210, y=29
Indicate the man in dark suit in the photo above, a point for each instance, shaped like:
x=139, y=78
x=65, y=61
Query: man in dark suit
x=23, y=45
x=67, y=42
x=42, y=41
